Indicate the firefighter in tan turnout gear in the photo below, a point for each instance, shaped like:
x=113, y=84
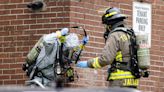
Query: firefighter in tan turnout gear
x=119, y=52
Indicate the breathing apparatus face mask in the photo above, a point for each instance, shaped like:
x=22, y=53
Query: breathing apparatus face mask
x=71, y=47
x=106, y=33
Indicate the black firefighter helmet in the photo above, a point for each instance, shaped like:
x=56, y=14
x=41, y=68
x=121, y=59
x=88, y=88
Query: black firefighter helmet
x=112, y=15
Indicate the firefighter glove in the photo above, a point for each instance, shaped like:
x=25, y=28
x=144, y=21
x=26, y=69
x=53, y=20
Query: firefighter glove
x=82, y=64
x=85, y=40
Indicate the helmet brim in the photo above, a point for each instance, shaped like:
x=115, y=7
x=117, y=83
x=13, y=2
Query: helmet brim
x=118, y=17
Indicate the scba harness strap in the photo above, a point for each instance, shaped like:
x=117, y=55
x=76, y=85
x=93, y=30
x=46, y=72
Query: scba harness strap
x=126, y=69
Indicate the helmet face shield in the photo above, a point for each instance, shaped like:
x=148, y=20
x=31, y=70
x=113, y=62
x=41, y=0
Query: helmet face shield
x=71, y=47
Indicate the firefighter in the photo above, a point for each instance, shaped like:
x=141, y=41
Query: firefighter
x=115, y=53
x=51, y=57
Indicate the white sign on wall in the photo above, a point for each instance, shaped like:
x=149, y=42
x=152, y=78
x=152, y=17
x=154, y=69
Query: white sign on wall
x=142, y=18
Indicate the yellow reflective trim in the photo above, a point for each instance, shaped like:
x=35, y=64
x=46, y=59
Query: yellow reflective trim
x=95, y=63
x=110, y=14
x=120, y=74
x=81, y=46
x=62, y=39
x=124, y=37
x=119, y=56
x=120, y=77
x=69, y=72
x=131, y=82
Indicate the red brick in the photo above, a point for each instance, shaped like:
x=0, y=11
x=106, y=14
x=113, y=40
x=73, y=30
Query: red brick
x=16, y=32
x=10, y=49
x=126, y=12
x=8, y=60
x=56, y=9
x=3, y=66
x=62, y=3
x=29, y=43
x=34, y=16
x=15, y=54
x=3, y=12
x=22, y=38
x=20, y=82
x=20, y=59
x=8, y=71
x=16, y=1
x=51, y=3
x=62, y=25
x=15, y=65
x=9, y=17
x=17, y=11
x=65, y=14
x=125, y=6
x=158, y=17
x=16, y=76
x=20, y=71
x=26, y=16
x=21, y=5
x=10, y=6
x=10, y=82
x=48, y=25
x=2, y=23
x=4, y=77
x=22, y=49
x=43, y=20
x=162, y=48
x=31, y=21
x=45, y=31
x=16, y=22
x=4, y=55
x=36, y=26
x=57, y=20
x=4, y=1
x=27, y=1
x=23, y=27
x=162, y=69
x=89, y=6
x=161, y=38
x=50, y=15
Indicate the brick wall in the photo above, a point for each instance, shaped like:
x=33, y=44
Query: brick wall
x=19, y=31
x=21, y=28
